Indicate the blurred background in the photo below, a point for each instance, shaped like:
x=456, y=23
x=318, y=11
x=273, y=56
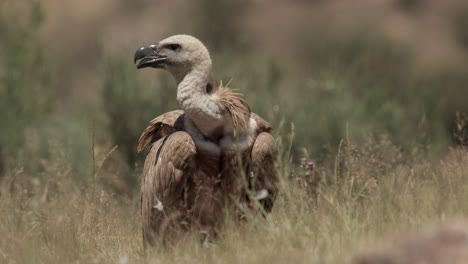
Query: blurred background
x=71, y=99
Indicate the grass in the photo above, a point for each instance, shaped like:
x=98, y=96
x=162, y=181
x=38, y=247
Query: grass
x=363, y=192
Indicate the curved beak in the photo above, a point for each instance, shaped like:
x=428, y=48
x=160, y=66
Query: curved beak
x=149, y=57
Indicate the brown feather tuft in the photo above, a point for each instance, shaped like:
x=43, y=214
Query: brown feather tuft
x=235, y=105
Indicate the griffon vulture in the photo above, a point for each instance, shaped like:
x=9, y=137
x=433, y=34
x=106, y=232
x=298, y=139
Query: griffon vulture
x=211, y=158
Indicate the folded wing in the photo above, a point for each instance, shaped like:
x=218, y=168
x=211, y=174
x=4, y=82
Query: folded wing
x=168, y=165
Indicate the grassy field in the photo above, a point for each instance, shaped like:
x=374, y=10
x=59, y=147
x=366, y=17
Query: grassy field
x=370, y=142
x=324, y=214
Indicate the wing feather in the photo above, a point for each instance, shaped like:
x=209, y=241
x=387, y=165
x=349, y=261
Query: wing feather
x=169, y=162
x=262, y=125
x=161, y=126
x=263, y=161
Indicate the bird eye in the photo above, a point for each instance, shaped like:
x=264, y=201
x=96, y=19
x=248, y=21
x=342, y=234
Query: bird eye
x=174, y=47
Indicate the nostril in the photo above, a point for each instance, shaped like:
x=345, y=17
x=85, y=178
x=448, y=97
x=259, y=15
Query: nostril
x=153, y=47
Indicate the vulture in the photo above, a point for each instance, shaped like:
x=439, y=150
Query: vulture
x=211, y=159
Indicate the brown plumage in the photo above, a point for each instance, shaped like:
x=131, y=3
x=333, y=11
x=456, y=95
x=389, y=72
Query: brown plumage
x=235, y=105
x=211, y=158
x=161, y=126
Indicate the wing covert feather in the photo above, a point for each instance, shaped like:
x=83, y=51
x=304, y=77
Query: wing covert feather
x=263, y=160
x=161, y=126
x=167, y=166
x=262, y=125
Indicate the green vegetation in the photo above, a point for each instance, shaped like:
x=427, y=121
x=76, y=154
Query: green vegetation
x=25, y=97
x=388, y=144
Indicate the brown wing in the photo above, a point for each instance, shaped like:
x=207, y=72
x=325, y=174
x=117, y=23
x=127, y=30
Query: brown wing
x=161, y=126
x=262, y=125
x=169, y=162
x=263, y=161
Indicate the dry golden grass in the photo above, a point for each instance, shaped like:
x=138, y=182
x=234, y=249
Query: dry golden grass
x=323, y=215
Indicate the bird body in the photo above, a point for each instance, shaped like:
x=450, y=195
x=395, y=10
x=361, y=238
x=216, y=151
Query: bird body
x=206, y=160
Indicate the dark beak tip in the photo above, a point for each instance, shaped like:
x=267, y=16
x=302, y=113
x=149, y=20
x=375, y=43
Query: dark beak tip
x=148, y=57
x=141, y=53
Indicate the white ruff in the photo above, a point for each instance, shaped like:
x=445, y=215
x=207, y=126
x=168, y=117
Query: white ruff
x=243, y=141
x=227, y=143
x=200, y=142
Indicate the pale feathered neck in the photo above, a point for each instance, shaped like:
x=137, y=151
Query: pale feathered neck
x=198, y=104
x=220, y=108
x=192, y=82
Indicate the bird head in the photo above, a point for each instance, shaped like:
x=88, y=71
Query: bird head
x=178, y=54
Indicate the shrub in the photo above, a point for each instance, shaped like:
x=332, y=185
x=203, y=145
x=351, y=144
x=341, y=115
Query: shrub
x=25, y=94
